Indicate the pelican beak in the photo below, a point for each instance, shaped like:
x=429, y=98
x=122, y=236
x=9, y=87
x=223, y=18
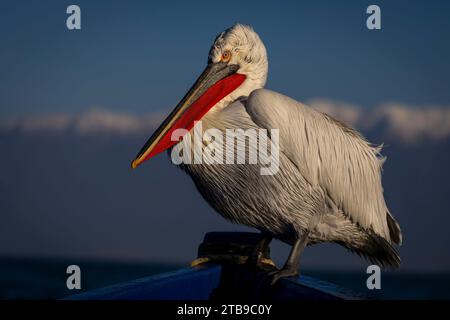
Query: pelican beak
x=216, y=82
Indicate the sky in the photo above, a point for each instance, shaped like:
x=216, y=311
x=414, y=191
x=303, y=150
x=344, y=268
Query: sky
x=142, y=56
x=76, y=106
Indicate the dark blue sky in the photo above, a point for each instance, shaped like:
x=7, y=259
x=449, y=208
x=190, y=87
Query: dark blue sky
x=75, y=195
x=139, y=56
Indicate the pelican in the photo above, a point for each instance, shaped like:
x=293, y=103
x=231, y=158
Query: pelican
x=328, y=186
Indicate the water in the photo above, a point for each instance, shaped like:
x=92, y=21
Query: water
x=46, y=279
x=394, y=285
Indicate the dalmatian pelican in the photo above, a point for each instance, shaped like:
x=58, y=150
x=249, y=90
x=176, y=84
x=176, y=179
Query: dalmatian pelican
x=328, y=186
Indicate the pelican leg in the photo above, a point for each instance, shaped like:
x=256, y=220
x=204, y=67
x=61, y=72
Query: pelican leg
x=255, y=257
x=290, y=268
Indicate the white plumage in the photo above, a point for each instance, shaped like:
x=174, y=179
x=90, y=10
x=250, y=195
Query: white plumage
x=330, y=155
x=330, y=176
x=328, y=186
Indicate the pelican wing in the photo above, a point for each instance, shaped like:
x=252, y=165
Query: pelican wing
x=329, y=155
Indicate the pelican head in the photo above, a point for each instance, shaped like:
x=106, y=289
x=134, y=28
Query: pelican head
x=245, y=49
x=237, y=65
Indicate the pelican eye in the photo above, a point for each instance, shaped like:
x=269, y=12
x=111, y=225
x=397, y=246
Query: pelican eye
x=226, y=56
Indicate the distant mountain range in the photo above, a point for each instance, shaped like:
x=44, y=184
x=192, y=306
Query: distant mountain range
x=395, y=121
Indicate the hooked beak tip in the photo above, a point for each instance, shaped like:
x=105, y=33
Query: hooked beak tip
x=134, y=164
